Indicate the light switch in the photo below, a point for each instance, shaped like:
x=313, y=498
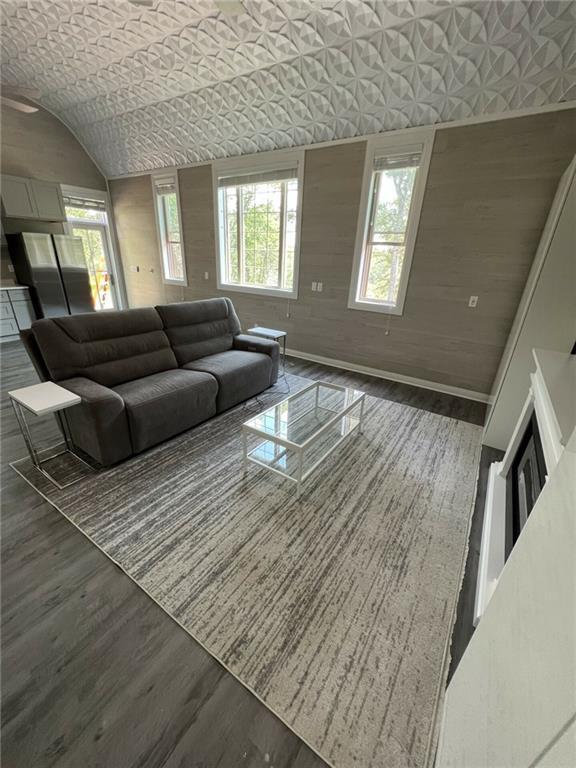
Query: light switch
x=473, y=301
x=134, y=268
x=205, y=275
x=319, y=286
x=314, y=286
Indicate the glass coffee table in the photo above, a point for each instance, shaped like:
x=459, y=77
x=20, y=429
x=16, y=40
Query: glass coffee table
x=294, y=437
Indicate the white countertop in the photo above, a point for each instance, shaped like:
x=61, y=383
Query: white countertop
x=13, y=287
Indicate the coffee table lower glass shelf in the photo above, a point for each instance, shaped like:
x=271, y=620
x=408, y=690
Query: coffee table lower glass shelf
x=296, y=435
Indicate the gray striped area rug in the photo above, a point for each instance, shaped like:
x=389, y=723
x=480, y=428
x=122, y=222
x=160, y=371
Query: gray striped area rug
x=337, y=609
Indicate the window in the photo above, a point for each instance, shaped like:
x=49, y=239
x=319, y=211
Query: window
x=394, y=183
x=258, y=226
x=87, y=218
x=166, y=199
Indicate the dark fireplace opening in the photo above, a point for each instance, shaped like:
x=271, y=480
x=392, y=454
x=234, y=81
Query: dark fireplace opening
x=525, y=480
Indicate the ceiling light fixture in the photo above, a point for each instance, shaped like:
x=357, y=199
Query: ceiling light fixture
x=230, y=7
x=18, y=105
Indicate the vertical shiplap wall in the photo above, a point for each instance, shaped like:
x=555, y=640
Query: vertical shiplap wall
x=489, y=190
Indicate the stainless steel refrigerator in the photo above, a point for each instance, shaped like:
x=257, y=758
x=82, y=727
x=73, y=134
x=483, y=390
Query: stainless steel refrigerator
x=55, y=269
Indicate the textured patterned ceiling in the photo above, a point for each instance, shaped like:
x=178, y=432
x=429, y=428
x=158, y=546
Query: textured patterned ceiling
x=181, y=82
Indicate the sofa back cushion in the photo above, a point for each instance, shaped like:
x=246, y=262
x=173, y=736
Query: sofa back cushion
x=107, y=347
x=31, y=346
x=199, y=328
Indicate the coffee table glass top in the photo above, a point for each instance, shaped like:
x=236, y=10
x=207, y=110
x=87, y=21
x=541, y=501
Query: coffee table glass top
x=299, y=418
x=295, y=437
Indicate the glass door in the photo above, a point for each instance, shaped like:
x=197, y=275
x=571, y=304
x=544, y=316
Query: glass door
x=96, y=252
x=88, y=220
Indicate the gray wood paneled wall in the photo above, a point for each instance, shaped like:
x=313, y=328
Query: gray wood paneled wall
x=38, y=145
x=489, y=190
x=133, y=207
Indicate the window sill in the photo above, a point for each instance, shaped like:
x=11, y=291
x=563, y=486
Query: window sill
x=277, y=292
x=373, y=306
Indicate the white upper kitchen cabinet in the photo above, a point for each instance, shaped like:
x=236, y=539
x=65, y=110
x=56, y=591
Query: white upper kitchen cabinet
x=49, y=203
x=32, y=199
x=18, y=197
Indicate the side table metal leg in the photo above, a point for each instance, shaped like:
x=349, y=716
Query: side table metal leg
x=34, y=454
x=361, y=424
x=61, y=418
x=21, y=418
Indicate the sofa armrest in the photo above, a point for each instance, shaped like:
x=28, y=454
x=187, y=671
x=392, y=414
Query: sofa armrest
x=98, y=425
x=268, y=347
x=93, y=395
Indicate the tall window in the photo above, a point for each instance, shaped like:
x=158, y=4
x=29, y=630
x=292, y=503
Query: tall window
x=390, y=219
x=169, y=230
x=258, y=230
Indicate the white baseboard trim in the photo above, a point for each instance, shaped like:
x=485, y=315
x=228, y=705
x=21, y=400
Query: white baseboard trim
x=446, y=389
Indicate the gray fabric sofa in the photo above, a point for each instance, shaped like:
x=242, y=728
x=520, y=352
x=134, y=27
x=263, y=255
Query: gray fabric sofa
x=144, y=375
x=205, y=337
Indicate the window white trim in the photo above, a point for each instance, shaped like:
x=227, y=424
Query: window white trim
x=381, y=146
x=154, y=177
x=90, y=194
x=260, y=163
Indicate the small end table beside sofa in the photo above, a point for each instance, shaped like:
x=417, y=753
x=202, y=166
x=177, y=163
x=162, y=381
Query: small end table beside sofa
x=145, y=375
x=39, y=400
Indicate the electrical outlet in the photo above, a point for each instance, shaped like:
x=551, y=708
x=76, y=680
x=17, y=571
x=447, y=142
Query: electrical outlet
x=314, y=286
x=319, y=286
x=205, y=275
x=473, y=301
x=10, y=267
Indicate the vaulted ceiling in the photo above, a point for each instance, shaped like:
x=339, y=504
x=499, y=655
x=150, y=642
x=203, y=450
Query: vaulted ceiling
x=180, y=81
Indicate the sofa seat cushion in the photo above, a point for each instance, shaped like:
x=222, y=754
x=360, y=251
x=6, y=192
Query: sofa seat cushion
x=240, y=375
x=164, y=404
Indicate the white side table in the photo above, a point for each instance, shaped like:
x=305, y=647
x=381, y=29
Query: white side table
x=41, y=399
x=274, y=335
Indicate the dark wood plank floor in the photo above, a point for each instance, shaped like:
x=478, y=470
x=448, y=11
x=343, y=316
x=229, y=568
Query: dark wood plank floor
x=94, y=672
x=426, y=399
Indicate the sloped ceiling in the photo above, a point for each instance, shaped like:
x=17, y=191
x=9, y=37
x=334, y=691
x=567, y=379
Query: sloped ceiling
x=180, y=82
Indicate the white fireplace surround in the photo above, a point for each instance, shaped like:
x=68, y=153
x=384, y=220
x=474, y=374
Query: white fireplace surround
x=551, y=397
